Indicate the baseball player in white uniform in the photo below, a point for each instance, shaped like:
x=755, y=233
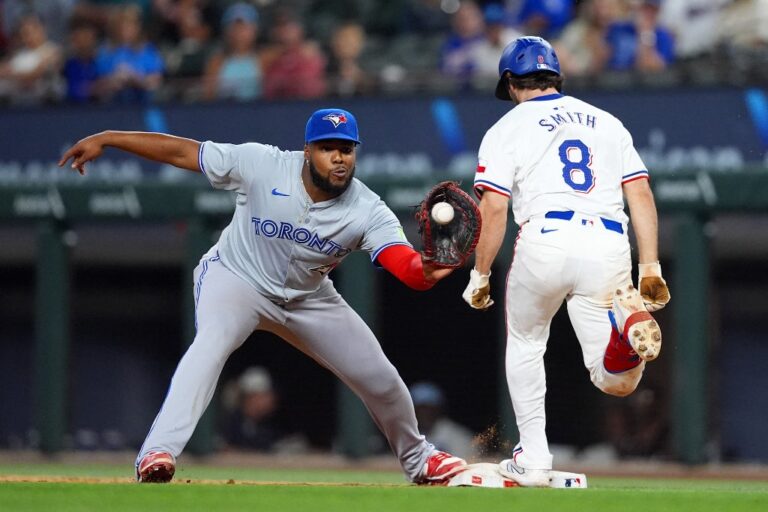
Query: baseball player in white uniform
x=565, y=165
x=297, y=215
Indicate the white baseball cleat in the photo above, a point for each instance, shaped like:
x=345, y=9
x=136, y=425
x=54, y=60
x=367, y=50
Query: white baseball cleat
x=635, y=323
x=524, y=476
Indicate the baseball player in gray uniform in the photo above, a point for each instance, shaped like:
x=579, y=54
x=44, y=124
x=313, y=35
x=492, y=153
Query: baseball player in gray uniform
x=297, y=215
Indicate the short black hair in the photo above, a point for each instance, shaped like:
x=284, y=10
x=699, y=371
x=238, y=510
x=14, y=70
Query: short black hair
x=540, y=80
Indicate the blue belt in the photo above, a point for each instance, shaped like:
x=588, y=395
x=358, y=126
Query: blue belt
x=609, y=224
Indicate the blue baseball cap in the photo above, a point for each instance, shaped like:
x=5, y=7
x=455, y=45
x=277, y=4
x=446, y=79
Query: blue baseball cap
x=332, y=123
x=240, y=12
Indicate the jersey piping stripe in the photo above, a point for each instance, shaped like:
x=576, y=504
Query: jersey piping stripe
x=200, y=162
x=489, y=185
x=635, y=175
x=390, y=244
x=199, y=284
x=198, y=287
x=641, y=177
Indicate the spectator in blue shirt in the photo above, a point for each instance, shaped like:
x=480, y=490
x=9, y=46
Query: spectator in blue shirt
x=457, y=56
x=640, y=44
x=80, y=67
x=130, y=69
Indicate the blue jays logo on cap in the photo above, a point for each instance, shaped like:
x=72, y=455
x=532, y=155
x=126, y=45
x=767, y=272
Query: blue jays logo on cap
x=332, y=123
x=336, y=119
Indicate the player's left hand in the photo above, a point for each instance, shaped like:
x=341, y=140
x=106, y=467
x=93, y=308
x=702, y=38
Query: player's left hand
x=434, y=273
x=448, y=245
x=478, y=291
x=90, y=148
x=653, y=287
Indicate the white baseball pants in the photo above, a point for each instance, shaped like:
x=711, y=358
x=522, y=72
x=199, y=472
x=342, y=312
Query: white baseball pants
x=579, y=261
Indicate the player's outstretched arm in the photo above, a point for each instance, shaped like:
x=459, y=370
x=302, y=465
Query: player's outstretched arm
x=159, y=147
x=409, y=267
x=642, y=211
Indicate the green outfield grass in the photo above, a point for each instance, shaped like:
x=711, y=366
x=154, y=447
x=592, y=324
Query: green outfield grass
x=374, y=491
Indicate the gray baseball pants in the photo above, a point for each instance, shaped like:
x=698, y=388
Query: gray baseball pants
x=323, y=326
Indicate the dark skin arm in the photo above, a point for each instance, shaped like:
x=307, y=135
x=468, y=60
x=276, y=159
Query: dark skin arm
x=159, y=147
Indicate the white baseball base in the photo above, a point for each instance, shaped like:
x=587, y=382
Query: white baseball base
x=486, y=474
x=483, y=474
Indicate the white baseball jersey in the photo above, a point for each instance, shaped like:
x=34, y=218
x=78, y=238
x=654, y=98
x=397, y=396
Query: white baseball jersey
x=563, y=162
x=279, y=240
x=559, y=153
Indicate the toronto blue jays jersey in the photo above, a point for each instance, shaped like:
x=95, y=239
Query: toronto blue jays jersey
x=557, y=152
x=279, y=240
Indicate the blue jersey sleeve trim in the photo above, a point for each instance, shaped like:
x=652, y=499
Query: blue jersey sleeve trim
x=200, y=157
x=633, y=174
x=376, y=253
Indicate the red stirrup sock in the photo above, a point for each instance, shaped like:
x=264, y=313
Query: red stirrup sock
x=619, y=356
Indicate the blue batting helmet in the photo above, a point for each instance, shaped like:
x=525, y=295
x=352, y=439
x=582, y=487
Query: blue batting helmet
x=523, y=56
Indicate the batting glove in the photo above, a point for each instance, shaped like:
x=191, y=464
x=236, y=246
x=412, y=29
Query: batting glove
x=478, y=291
x=653, y=287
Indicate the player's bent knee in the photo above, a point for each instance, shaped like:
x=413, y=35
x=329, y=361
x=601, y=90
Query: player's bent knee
x=382, y=388
x=619, y=389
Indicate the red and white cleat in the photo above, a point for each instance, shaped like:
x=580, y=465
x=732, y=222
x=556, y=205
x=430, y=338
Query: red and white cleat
x=440, y=467
x=156, y=467
x=636, y=323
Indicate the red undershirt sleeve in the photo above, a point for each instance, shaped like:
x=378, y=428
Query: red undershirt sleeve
x=405, y=264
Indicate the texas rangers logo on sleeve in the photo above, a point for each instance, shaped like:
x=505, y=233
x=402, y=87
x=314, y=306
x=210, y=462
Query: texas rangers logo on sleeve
x=336, y=119
x=481, y=165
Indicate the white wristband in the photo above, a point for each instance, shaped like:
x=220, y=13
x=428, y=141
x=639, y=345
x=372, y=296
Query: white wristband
x=649, y=269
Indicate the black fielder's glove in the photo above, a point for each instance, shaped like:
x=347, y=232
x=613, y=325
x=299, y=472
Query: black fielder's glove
x=449, y=225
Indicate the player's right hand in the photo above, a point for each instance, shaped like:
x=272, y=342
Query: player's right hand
x=89, y=148
x=653, y=287
x=478, y=291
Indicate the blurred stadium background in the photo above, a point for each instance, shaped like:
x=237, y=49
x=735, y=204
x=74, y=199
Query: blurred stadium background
x=95, y=272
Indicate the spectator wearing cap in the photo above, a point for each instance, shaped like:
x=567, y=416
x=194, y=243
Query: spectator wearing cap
x=497, y=35
x=582, y=48
x=130, y=69
x=252, y=425
x=641, y=43
x=295, y=66
x=443, y=432
x=236, y=72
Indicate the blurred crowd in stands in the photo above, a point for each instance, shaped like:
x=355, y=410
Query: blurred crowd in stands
x=126, y=51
